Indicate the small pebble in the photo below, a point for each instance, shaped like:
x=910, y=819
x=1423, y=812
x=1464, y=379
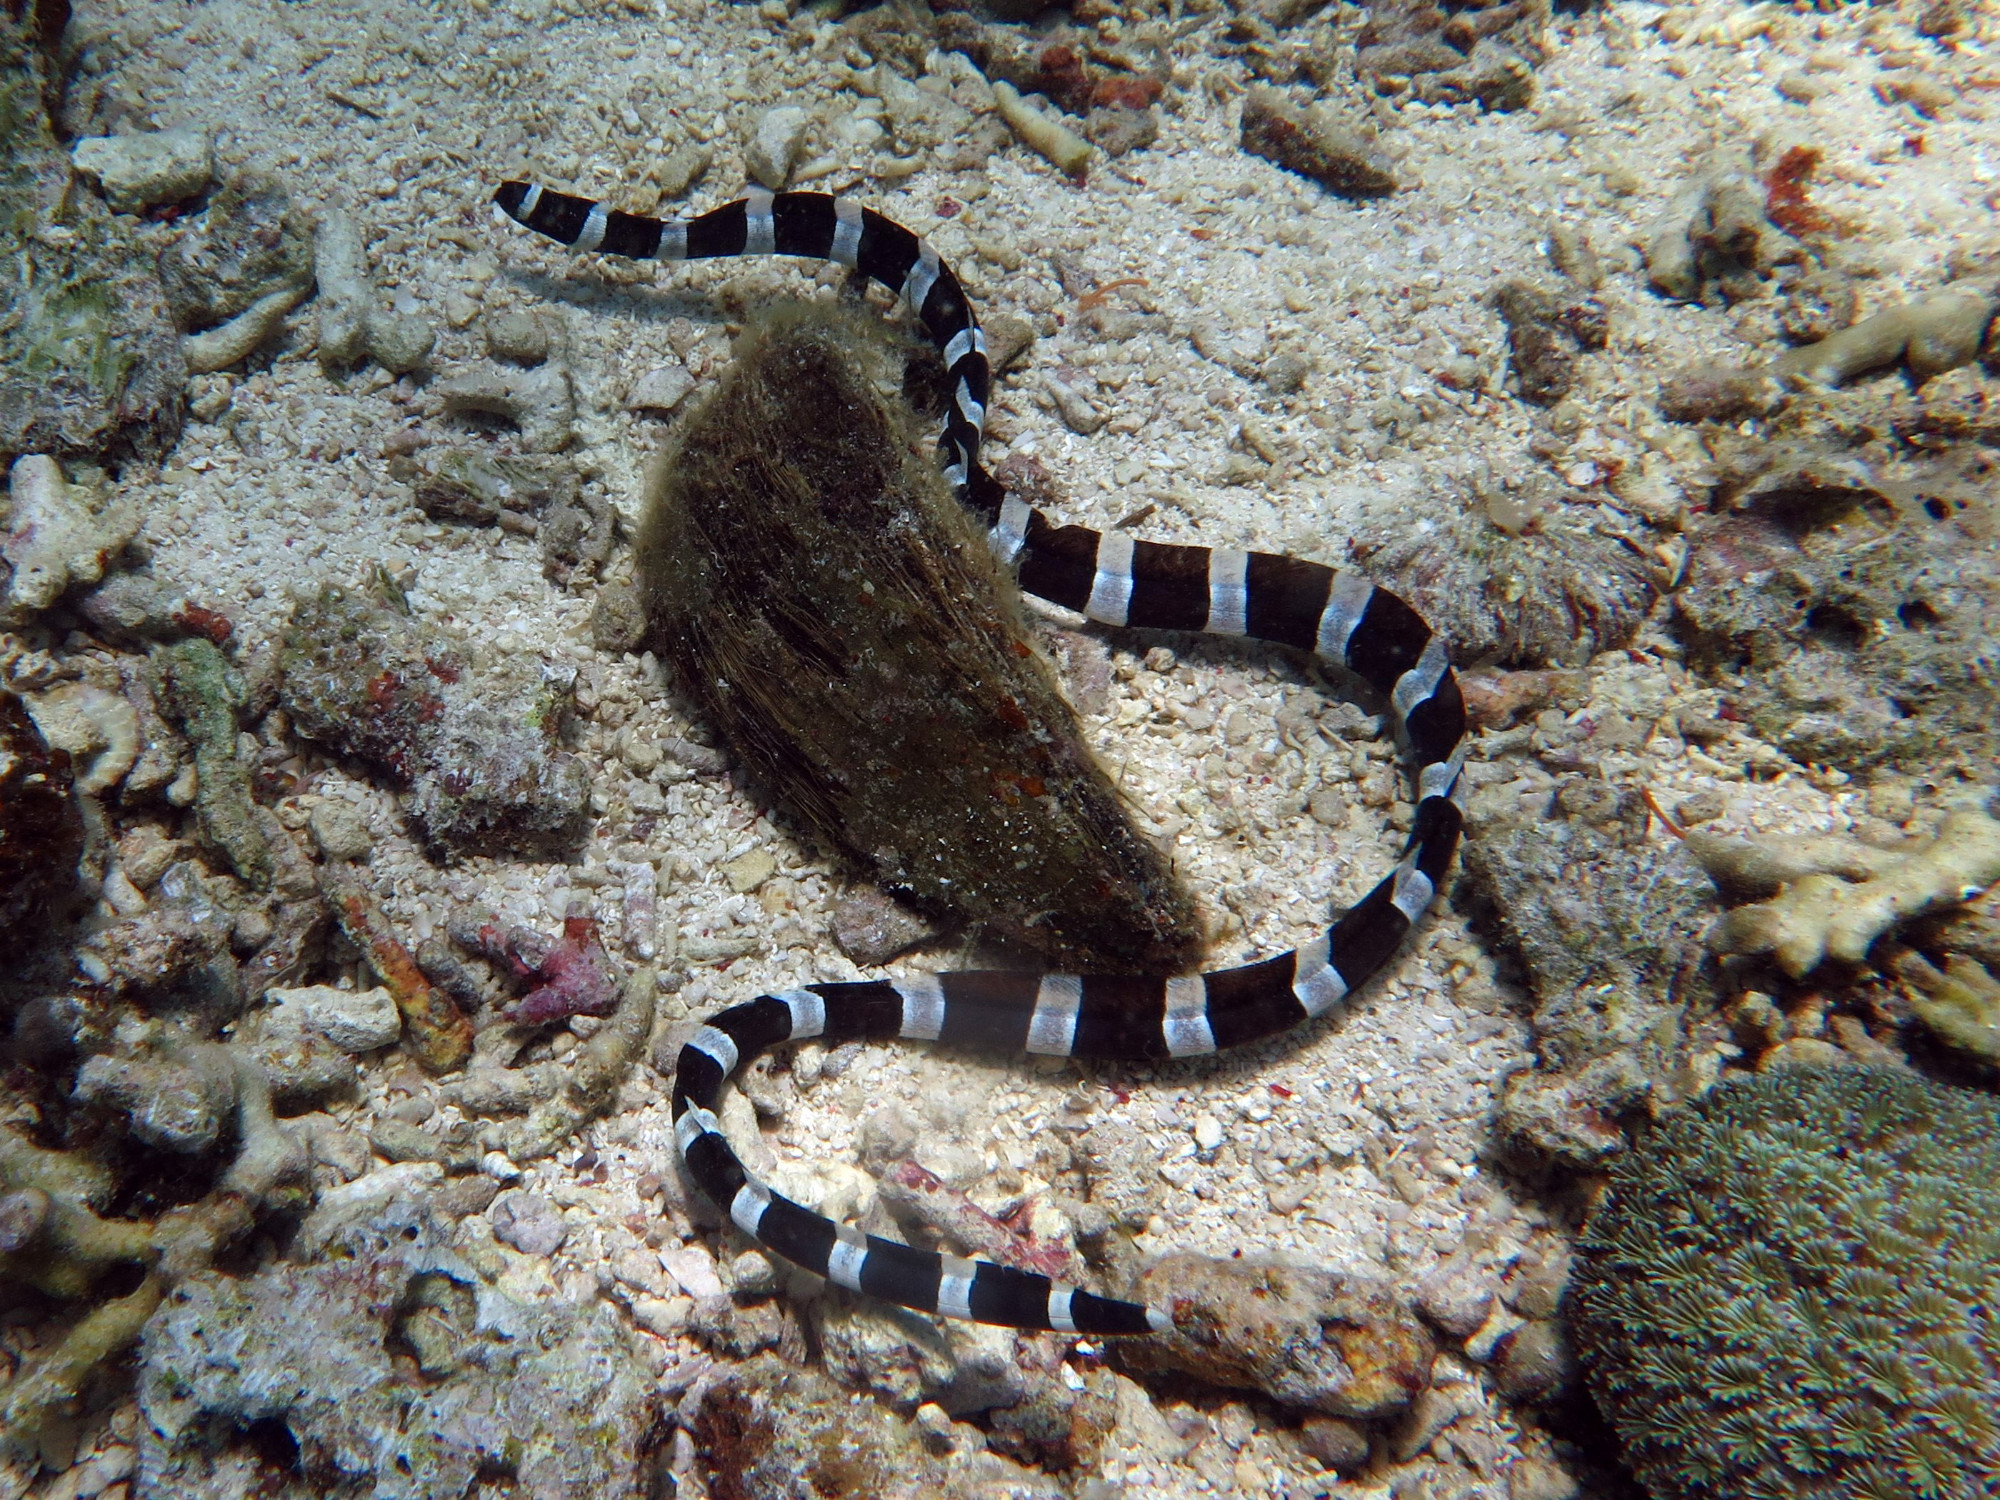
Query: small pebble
x=749, y=870
x=1207, y=1132
x=528, y=1222
x=340, y=829
x=660, y=389
x=694, y=1268
x=517, y=336
x=775, y=145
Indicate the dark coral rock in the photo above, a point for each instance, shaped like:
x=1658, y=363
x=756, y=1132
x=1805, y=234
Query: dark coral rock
x=249, y=242
x=1859, y=614
x=41, y=829
x=1333, y=1341
x=196, y=690
x=772, y=1430
x=90, y=363
x=1544, y=335
x=471, y=484
x=576, y=535
x=1610, y=933
x=1788, y=1291
x=836, y=615
x=1339, y=159
x=477, y=750
x=1451, y=54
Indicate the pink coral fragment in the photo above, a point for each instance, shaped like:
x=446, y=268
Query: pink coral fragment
x=571, y=974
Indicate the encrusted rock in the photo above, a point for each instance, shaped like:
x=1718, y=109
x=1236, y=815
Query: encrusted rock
x=1544, y=334
x=353, y=1020
x=248, y=243
x=1563, y=589
x=134, y=172
x=1338, y=157
x=555, y=1396
x=528, y=1222
x=1337, y=1342
x=962, y=1367
x=1611, y=935
x=519, y=336
x=1851, y=619
x=617, y=619
x=576, y=534
x=340, y=829
x=89, y=360
x=175, y=1098
x=871, y=926
x=196, y=684
x=477, y=751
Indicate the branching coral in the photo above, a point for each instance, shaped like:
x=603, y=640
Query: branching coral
x=1788, y=1292
x=68, y=1245
x=1832, y=898
x=1960, y=1001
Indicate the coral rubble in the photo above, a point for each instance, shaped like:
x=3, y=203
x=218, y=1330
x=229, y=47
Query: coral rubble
x=328, y=1348
x=477, y=750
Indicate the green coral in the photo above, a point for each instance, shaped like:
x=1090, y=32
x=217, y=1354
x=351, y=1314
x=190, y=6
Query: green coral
x=194, y=677
x=1792, y=1289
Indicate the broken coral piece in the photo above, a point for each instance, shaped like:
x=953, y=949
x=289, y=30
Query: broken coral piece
x=1012, y=1241
x=54, y=537
x=435, y=1031
x=1931, y=335
x=353, y=323
x=570, y=975
x=1833, y=897
x=1960, y=1002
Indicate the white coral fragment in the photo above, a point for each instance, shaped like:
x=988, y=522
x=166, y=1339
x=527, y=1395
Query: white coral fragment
x=54, y=538
x=137, y=171
x=1835, y=897
x=99, y=729
x=353, y=323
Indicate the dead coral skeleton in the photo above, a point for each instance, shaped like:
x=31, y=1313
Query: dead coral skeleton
x=1829, y=897
x=64, y=1247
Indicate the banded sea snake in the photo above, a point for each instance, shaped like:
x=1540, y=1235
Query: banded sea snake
x=1115, y=579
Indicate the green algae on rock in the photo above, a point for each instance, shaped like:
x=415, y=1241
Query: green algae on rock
x=1791, y=1291
x=839, y=619
x=194, y=679
x=89, y=359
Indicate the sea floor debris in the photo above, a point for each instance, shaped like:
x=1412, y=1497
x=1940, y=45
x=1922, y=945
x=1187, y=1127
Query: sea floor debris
x=1208, y=348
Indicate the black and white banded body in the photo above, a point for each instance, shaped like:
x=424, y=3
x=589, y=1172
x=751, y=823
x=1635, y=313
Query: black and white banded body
x=1115, y=579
